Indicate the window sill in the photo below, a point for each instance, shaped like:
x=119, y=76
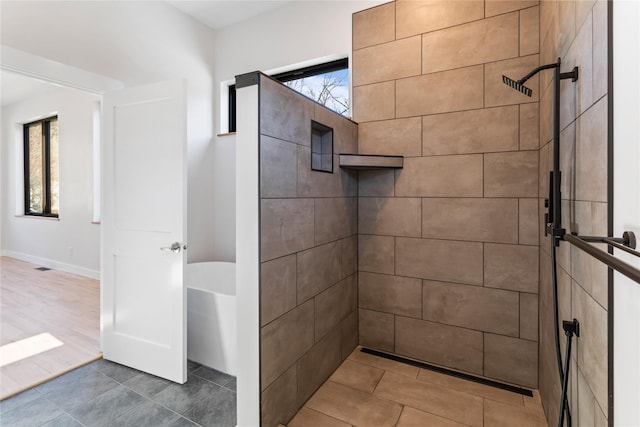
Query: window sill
x=48, y=218
x=227, y=134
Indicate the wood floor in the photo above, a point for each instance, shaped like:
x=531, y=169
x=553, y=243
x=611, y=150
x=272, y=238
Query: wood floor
x=33, y=303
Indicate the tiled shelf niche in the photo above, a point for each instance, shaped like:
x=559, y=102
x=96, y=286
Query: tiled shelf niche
x=370, y=161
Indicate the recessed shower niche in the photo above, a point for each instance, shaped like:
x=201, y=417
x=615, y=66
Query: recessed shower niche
x=321, y=147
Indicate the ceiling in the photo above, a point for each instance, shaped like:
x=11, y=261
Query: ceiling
x=213, y=13
x=222, y=13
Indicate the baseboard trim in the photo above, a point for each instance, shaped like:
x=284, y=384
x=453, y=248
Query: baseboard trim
x=53, y=264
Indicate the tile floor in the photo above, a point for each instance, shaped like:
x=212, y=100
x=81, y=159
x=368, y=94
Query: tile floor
x=103, y=393
x=368, y=390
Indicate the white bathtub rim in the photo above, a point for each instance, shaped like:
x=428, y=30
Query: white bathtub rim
x=212, y=277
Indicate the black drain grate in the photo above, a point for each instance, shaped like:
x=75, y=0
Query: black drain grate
x=42, y=269
x=468, y=377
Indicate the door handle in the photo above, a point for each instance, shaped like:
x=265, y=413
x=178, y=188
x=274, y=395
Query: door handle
x=175, y=248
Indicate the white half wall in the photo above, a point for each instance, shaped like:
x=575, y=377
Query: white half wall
x=71, y=243
x=626, y=209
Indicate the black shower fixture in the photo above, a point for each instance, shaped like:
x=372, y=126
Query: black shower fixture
x=519, y=84
x=516, y=85
x=553, y=218
x=554, y=222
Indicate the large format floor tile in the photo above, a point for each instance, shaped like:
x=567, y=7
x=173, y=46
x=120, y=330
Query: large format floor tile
x=104, y=393
x=372, y=391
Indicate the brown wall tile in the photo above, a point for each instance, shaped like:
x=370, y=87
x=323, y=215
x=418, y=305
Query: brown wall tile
x=529, y=126
x=318, y=268
x=340, y=183
x=376, y=254
x=473, y=307
x=484, y=220
x=600, y=57
x=511, y=174
x=567, y=26
x=442, y=92
x=477, y=42
x=474, y=131
x=344, y=138
x=376, y=183
x=286, y=226
x=318, y=364
x=284, y=114
x=390, y=294
x=277, y=288
x=349, y=256
x=528, y=221
x=388, y=61
x=333, y=305
x=374, y=102
x=591, y=149
x=511, y=359
x=497, y=93
x=529, y=317
x=511, y=267
x=399, y=137
x=443, y=260
x=416, y=17
x=278, y=168
x=442, y=344
x=579, y=54
x=442, y=176
x=390, y=216
x=280, y=399
x=349, y=328
x=592, y=350
x=376, y=329
x=284, y=341
x=374, y=26
x=497, y=7
x=529, y=31
x=335, y=218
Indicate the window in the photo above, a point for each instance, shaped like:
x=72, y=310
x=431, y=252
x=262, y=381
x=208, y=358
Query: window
x=41, y=170
x=232, y=108
x=327, y=84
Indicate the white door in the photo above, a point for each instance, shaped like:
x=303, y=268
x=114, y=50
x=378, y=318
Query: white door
x=143, y=305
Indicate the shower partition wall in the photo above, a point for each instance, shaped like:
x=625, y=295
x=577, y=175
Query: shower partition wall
x=305, y=248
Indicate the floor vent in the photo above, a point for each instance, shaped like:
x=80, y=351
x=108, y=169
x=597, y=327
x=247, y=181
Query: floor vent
x=42, y=268
x=441, y=370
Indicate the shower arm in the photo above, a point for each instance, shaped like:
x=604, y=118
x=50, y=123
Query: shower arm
x=573, y=74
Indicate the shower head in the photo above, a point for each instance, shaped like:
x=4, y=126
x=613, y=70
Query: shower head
x=516, y=85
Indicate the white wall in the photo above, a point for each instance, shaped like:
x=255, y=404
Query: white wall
x=626, y=69
x=134, y=42
x=298, y=32
x=71, y=243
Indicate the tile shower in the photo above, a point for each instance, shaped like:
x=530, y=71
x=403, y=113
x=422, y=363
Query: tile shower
x=443, y=261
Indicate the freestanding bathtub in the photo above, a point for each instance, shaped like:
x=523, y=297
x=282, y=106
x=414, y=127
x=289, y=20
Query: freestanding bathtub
x=211, y=315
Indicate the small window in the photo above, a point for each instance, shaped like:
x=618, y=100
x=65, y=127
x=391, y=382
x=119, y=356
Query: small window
x=232, y=108
x=321, y=147
x=327, y=84
x=41, y=169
